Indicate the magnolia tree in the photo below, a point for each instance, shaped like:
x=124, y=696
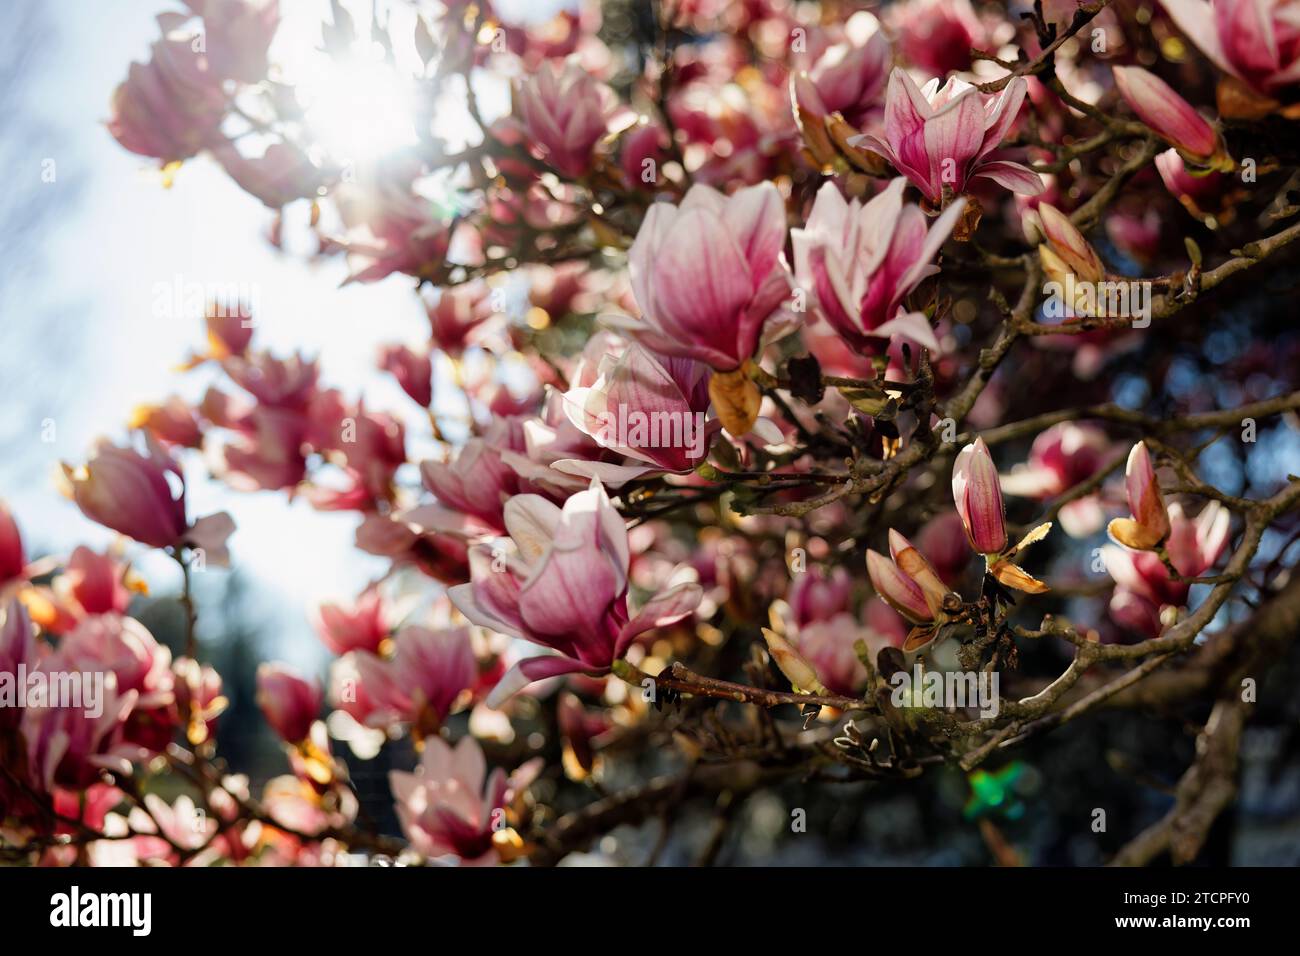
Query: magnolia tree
x=810, y=397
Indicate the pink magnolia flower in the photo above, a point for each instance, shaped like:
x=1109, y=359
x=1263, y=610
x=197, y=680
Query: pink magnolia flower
x=1149, y=524
x=818, y=595
x=238, y=33
x=1065, y=250
x=707, y=274
x=171, y=422
x=13, y=558
x=941, y=137
x=937, y=35
x=977, y=493
x=421, y=684
x=457, y=317
x=565, y=588
x=140, y=666
x=1171, y=116
x=1146, y=597
x=413, y=371
x=565, y=112
x=649, y=409
x=1060, y=458
x=199, y=699
x=390, y=228
x=477, y=482
x=907, y=582
x=70, y=747
x=171, y=106
x=289, y=702
x=362, y=627
x=280, y=175
x=1257, y=41
x=848, y=78
x=143, y=497
x=17, y=646
x=861, y=261
x=828, y=645
x=1193, y=191
x=451, y=806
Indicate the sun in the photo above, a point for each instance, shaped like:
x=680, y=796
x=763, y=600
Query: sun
x=358, y=109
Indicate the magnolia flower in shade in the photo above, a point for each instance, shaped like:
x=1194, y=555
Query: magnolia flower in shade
x=1256, y=41
x=941, y=137
x=1149, y=525
x=289, y=702
x=650, y=409
x=1061, y=457
x=819, y=595
x=829, y=646
x=361, y=627
x=565, y=588
x=707, y=274
x=97, y=582
x=67, y=747
x=937, y=35
x=17, y=646
x=1171, y=116
x=579, y=728
x=1147, y=597
x=862, y=260
x=143, y=497
x=1065, y=251
x=12, y=556
x=1197, y=193
x=451, y=806
x=978, y=495
x=413, y=371
x=141, y=667
x=565, y=112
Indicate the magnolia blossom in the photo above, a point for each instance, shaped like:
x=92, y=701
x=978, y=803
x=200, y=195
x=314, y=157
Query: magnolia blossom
x=565, y=112
x=940, y=138
x=908, y=583
x=650, y=409
x=565, y=588
x=143, y=497
x=17, y=647
x=1256, y=41
x=848, y=78
x=1149, y=524
x=707, y=274
x=1060, y=458
x=818, y=595
x=937, y=35
x=1065, y=251
x=863, y=260
x=1146, y=597
x=413, y=371
x=450, y=806
x=290, y=703
x=977, y=493
x=1171, y=116
x=171, y=106
x=12, y=556
x=360, y=627
x=478, y=482
x=420, y=685
x=1195, y=192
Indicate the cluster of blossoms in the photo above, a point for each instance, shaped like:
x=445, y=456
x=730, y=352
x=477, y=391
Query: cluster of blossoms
x=627, y=293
